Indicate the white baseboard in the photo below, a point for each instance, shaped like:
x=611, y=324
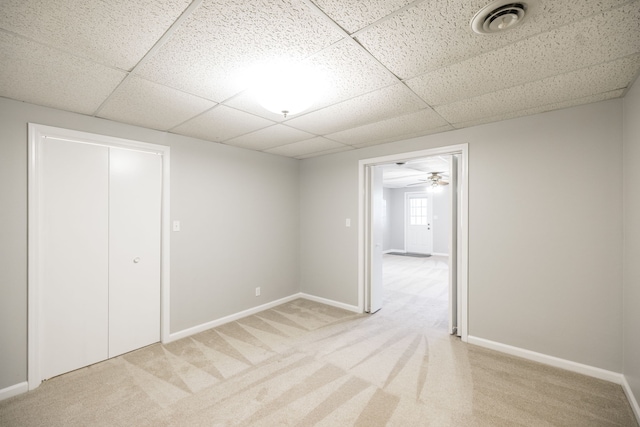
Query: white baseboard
x=394, y=250
x=206, y=326
x=332, y=303
x=631, y=398
x=232, y=317
x=439, y=254
x=591, y=371
x=14, y=390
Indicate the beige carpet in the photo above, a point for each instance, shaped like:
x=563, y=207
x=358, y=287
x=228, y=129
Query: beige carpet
x=307, y=364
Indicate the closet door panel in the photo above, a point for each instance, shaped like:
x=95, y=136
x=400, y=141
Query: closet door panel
x=135, y=183
x=74, y=255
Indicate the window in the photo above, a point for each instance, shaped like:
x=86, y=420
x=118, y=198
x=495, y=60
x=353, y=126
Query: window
x=418, y=211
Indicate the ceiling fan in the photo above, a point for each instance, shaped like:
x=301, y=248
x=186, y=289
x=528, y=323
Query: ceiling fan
x=434, y=179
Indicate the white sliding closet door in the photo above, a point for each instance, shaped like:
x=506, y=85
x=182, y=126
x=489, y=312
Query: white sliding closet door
x=135, y=185
x=74, y=253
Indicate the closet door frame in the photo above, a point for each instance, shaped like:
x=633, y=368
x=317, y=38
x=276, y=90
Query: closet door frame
x=37, y=134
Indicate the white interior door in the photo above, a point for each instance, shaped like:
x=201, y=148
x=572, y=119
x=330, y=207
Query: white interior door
x=135, y=185
x=74, y=256
x=419, y=233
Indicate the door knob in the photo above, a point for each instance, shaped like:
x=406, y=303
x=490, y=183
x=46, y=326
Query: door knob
x=136, y=260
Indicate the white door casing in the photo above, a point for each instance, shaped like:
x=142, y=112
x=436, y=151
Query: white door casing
x=76, y=219
x=462, y=224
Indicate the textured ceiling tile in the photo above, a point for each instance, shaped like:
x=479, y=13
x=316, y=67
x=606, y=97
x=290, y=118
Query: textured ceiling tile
x=310, y=146
x=220, y=124
x=387, y=102
x=405, y=136
x=541, y=109
x=601, y=38
x=224, y=39
x=353, y=16
x=323, y=153
x=34, y=73
x=437, y=33
x=578, y=84
x=116, y=33
x=144, y=103
x=270, y=137
x=390, y=129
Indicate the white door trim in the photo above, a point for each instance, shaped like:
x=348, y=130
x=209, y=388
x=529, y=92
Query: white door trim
x=364, y=229
x=36, y=134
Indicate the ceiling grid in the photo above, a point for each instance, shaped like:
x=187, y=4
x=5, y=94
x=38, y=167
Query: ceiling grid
x=396, y=69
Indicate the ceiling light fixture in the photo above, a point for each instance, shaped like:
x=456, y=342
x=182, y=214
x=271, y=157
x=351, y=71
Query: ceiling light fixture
x=287, y=87
x=500, y=15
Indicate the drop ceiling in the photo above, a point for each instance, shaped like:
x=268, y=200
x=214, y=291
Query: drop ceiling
x=396, y=68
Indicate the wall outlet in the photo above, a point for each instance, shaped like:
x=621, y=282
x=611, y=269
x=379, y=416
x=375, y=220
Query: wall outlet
x=258, y=291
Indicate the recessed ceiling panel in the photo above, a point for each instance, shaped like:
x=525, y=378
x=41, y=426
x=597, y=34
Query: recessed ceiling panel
x=221, y=123
x=115, y=33
x=354, y=15
x=601, y=38
x=309, y=146
x=378, y=105
x=144, y=103
x=437, y=33
x=34, y=73
x=392, y=129
x=577, y=84
x=270, y=137
x=215, y=50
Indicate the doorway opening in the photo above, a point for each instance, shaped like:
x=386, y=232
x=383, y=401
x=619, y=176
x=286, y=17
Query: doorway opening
x=413, y=213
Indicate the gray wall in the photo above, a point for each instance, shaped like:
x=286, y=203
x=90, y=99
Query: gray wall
x=441, y=210
x=631, y=322
x=545, y=249
x=239, y=213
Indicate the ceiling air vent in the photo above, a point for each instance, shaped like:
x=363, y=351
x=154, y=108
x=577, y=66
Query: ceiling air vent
x=499, y=16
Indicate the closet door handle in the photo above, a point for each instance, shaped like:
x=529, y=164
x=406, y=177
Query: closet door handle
x=136, y=260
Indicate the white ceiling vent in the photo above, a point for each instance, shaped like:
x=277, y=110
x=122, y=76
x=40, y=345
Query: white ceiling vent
x=499, y=15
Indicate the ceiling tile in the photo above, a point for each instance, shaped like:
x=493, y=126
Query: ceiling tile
x=309, y=146
x=144, y=103
x=353, y=16
x=578, y=84
x=378, y=105
x=564, y=49
x=404, y=136
x=270, y=137
x=437, y=33
x=324, y=153
x=223, y=39
x=115, y=33
x=221, y=123
x=390, y=129
x=541, y=109
x=34, y=73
